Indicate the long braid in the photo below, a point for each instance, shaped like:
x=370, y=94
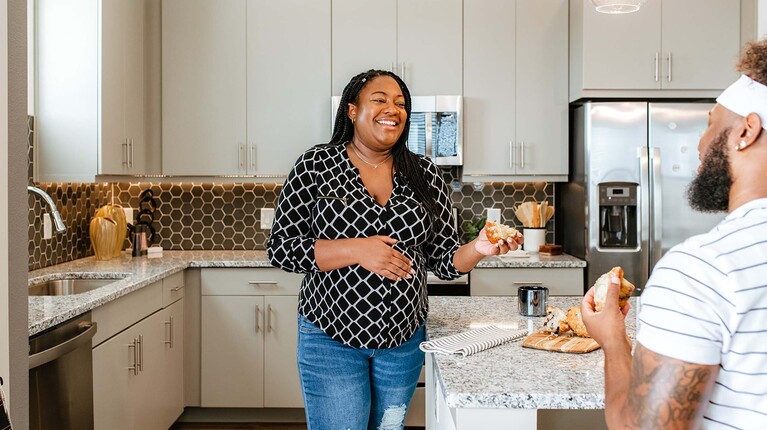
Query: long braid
x=407, y=164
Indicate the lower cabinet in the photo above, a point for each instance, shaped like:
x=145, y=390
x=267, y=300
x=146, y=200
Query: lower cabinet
x=561, y=281
x=138, y=372
x=248, y=339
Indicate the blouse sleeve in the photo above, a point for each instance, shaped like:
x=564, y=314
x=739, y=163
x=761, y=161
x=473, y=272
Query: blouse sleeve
x=291, y=242
x=443, y=241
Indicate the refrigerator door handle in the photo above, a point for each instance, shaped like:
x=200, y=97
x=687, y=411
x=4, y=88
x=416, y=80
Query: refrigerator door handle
x=656, y=248
x=644, y=215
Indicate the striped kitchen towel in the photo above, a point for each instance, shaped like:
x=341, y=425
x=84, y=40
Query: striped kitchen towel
x=472, y=341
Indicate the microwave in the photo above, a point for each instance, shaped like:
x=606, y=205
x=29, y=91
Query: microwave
x=436, y=128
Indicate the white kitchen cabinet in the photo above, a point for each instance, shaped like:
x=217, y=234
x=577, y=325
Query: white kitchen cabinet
x=666, y=46
x=515, y=90
x=91, y=89
x=246, y=85
x=138, y=371
x=248, y=338
x=561, y=281
x=419, y=40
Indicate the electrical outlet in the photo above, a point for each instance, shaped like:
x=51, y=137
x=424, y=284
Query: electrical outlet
x=267, y=218
x=128, y=214
x=494, y=215
x=47, y=226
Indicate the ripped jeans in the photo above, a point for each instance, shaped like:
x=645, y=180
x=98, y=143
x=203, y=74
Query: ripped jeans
x=356, y=388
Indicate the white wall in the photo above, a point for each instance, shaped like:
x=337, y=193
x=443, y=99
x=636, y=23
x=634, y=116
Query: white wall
x=761, y=18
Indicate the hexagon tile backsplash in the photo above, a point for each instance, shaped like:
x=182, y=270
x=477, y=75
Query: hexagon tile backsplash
x=216, y=216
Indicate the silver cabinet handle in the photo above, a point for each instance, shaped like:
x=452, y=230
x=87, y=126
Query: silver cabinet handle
x=522, y=154
x=268, y=318
x=50, y=354
x=258, y=326
x=134, y=345
x=393, y=68
x=130, y=160
x=170, y=323
x=252, y=157
x=177, y=288
x=262, y=282
x=527, y=282
x=140, y=363
x=656, y=66
x=669, y=67
x=402, y=71
x=511, y=154
x=125, y=152
x=240, y=152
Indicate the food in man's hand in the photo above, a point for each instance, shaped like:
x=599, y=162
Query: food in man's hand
x=600, y=289
x=575, y=321
x=500, y=232
x=556, y=320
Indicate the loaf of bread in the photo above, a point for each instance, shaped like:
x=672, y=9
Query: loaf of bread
x=602, y=284
x=575, y=321
x=499, y=232
x=556, y=321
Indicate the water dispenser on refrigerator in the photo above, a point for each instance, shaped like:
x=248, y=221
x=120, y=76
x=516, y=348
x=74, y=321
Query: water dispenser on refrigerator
x=618, y=227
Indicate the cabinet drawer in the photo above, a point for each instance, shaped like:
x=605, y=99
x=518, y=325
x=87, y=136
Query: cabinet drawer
x=120, y=314
x=504, y=282
x=249, y=282
x=172, y=288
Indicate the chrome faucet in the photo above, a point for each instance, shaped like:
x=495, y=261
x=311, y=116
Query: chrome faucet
x=57, y=221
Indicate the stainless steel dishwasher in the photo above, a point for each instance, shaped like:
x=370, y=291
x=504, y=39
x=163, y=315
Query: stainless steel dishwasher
x=61, y=376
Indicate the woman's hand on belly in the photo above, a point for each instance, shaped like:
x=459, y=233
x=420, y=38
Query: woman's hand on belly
x=376, y=254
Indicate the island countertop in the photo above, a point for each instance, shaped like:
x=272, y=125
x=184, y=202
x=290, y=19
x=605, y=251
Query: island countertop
x=510, y=375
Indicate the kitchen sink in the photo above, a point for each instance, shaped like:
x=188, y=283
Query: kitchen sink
x=68, y=286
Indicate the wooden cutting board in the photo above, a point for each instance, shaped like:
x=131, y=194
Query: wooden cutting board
x=560, y=343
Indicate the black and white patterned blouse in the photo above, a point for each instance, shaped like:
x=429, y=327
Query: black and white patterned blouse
x=324, y=198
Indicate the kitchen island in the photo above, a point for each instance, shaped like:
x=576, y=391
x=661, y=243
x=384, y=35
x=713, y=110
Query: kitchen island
x=509, y=386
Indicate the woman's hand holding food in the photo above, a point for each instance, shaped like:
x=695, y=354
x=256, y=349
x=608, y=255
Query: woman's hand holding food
x=376, y=254
x=497, y=239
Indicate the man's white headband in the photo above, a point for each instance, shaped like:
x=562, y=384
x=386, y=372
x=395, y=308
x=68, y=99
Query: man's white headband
x=745, y=96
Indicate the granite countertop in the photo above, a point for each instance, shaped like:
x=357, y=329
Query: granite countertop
x=511, y=260
x=133, y=273
x=510, y=375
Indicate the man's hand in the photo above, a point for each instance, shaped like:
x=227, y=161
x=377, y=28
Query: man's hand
x=608, y=327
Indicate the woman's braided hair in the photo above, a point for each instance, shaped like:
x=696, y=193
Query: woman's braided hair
x=407, y=164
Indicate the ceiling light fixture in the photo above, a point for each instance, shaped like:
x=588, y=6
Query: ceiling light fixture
x=617, y=6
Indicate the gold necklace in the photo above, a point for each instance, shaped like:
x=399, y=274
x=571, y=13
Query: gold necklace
x=375, y=166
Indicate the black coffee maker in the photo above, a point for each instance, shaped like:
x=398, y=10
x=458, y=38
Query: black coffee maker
x=618, y=215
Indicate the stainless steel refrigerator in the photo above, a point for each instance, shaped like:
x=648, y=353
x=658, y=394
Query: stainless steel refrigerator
x=626, y=202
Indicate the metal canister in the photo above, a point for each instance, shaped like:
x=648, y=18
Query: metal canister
x=532, y=300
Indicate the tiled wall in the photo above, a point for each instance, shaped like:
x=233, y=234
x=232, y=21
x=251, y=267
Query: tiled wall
x=215, y=216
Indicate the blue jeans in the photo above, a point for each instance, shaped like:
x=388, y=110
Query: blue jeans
x=347, y=388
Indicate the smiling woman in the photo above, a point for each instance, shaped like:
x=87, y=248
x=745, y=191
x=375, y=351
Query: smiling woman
x=364, y=218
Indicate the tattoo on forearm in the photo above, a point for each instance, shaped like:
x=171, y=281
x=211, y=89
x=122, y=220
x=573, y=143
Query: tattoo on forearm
x=667, y=393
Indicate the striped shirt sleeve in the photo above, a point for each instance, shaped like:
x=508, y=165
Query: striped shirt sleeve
x=682, y=308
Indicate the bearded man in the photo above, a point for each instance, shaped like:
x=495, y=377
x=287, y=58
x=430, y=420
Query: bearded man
x=700, y=359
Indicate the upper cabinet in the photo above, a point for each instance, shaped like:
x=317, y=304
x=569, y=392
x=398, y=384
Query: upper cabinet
x=93, y=71
x=515, y=90
x=668, y=48
x=246, y=85
x=419, y=40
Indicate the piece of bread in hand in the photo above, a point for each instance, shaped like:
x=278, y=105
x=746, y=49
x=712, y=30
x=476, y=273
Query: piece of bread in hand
x=500, y=232
x=556, y=320
x=575, y=321
x=600, y=289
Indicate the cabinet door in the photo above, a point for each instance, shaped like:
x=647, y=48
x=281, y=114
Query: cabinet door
x=282, y=388
x=429, y=48
x=288, y=82
x=232, y=356
x=620, y=51
x=114, y=383
x=114, y=144
x=135, y=106
x=489, y=87
x=170, y=357
x=541, y=146
x=701, y=39
x=203, y=87
x=364, y=37
x=147, y=408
